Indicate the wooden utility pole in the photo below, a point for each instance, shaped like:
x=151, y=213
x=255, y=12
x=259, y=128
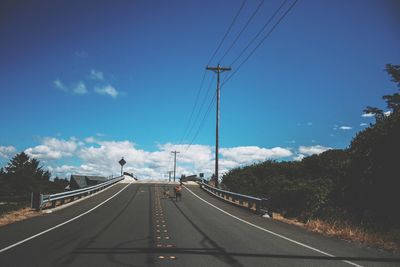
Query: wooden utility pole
x=175, y=152
x=217, y=70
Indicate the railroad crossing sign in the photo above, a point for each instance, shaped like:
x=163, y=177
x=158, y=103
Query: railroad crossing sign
x=122, y=162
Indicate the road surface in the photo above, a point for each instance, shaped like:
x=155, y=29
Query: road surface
x=135, y=225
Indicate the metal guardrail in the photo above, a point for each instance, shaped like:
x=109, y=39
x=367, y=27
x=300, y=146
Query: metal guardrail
x=258, y=205
x=39, y=200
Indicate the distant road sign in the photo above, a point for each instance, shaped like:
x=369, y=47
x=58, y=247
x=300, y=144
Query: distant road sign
x=122, y=162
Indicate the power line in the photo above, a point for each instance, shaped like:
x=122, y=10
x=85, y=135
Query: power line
x=201, y=106
x=259, y=32
x=202, y=121
x=194, y=107
x=204, y=74
x=260, y=43
x=186, y=133
x=242, y=30
x=227, y=32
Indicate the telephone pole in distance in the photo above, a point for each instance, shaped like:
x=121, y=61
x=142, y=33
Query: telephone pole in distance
x=217, y=70
x=175, y=152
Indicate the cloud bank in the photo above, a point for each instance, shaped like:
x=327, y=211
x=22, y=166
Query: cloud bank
x=7, y=151
x=93, y=156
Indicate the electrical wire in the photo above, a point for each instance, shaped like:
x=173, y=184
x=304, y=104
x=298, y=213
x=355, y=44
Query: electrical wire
x=202, y=105
x=202, y=121
x=194, y=107
x=259, y=32
x=260, y=43
x=242, y=30
x=227, y=32
x=204, y=74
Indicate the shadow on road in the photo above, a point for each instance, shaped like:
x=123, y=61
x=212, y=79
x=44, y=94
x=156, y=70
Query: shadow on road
x=218, y=252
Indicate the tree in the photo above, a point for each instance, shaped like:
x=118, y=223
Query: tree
x=394, y=71
x=378, y=113
x=393, y=101
x=24, y=175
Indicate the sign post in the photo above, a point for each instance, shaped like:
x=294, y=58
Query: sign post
x=122, y=162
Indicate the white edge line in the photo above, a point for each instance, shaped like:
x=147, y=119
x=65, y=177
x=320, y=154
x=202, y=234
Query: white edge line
x=270, y=232
x=61, y=224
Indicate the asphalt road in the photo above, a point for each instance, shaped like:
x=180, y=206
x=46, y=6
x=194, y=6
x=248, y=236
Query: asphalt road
x=138, y=226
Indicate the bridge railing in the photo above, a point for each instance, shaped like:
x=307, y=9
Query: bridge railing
x=258, y=205
x=38, y=201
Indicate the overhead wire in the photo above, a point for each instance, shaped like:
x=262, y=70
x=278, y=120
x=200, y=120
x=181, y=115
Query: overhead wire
x=204, y=74
x=202, y=104
x=202, y=121
x=261, y=42
x=259, y=32
x=239, y=56
x=227, y=31
x=242, y=30
x=194, y=107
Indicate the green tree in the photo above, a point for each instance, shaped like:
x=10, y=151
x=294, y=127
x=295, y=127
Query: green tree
x=24, y=175
x=377, y=112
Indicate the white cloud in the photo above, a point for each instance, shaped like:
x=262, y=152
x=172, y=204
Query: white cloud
x=96, y=75
x=387, y=113
x=368, y=115
x=310, y=150
x=345, y=128
x=309, y=123
x=53, y=148
x=80, y=89
x=250, y=154
x=107, y=90
x=299, y=157
x=59, y=85
x=7, y=151
x=363, y=124
x=90, y=139
x=98, y=157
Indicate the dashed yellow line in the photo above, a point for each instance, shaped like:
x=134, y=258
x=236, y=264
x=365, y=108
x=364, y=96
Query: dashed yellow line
x=161, y=222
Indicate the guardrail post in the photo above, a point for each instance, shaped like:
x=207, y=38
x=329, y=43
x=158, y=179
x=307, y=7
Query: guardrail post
x=36, y=200
x=258, y=206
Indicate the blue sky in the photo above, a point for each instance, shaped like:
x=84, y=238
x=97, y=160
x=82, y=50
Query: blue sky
x=86, y=82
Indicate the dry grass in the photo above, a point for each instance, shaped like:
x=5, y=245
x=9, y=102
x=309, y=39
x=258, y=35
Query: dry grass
x=17, y=215
x=279, y=217
x=389, y=241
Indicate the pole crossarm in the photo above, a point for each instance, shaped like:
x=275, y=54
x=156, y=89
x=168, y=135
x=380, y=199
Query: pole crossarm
x=219, y=69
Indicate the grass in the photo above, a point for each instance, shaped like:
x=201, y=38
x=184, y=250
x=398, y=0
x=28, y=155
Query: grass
x=8, y=206
x=16, y=215
x=388, y=240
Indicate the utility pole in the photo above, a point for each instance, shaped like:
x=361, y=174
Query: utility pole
x=169, y=175
x=217, y=70
x=175, y=152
